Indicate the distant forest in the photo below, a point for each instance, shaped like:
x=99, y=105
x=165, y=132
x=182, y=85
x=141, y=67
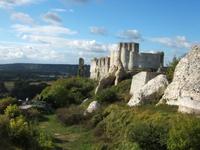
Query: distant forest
x=13, y=72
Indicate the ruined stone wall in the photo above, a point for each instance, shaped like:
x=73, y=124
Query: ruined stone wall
x=128, y=54
x=99, y=67
x=150, y=60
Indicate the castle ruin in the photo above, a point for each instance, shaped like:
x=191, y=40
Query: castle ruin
x=128, y=54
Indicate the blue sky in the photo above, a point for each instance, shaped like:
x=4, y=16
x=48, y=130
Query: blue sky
x=61, y=31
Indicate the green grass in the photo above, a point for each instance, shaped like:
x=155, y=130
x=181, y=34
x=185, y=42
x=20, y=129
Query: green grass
x=67, y=137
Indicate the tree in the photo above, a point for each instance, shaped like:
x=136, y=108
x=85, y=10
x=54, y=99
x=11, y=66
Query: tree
x=171, y=68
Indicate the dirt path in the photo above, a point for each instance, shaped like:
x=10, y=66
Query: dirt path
x=67, y=138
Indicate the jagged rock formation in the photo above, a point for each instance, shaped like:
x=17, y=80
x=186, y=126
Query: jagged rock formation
x=128, y=54
x=140, y=79
x=185, y=87
x=151, y=91
x=93, y=106
x=115, y=74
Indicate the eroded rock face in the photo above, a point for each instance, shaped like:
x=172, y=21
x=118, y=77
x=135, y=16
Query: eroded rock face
x=115, y=75
x=105, y=82
x=93, y=106
x=151, y=91
x=186, y=82
x=140, y=79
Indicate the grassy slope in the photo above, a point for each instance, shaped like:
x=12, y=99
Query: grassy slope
x=68, y=138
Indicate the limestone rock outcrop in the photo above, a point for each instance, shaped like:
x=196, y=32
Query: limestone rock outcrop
x=105, y=82
x=140, y=79
x=116, y=73
x=93, y=106
x=151, y=91
x=188, y=105
x=186, y=82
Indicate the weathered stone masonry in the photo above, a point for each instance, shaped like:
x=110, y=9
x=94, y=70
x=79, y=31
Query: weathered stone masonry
x=128, y=54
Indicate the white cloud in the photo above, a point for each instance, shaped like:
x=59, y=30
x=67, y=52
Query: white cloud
x=28, y=52
x=13, y=3
x=52, y=17
x=176, y=42
x=22, y=18
x=98, y=30
x=75, y=45
x=59, y=10
x=50, y=30
x=130, y=34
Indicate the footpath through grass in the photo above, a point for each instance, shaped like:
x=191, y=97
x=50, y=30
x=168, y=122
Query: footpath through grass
x=67, y=137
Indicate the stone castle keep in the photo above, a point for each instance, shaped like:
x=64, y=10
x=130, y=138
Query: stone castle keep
x=128, y=54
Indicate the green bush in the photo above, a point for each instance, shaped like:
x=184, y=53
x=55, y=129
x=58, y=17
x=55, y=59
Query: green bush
x=123, y=89
x=149, y=135
x=4, y=123
x=70, y=116
x=184, y=134
x=32, y=114
x=107, y=96
x=6, y=102
x=148, y=128
x=45, y=141
x=12, y=111
x=19, y=129
x=69, y=91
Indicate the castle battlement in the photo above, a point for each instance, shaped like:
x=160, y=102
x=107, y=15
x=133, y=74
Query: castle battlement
x=128, y=54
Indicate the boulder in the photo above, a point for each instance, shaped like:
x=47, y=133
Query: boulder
x=186, y=82
x=151, y=91
x=140, y=79
x=188, y=105
x=93, y=106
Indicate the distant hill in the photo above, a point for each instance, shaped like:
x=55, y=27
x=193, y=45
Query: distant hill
x=38, y=71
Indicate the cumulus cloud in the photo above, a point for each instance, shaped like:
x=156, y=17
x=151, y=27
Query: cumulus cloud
x=131, y=34
x=50, y=30
x=22, y=18
x=13, y=3
x=176, y=42
x=75, y=45
x=52, y=17
x=98, y=30
x=28, y=52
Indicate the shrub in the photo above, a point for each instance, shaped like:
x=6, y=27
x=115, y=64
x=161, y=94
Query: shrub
x=6, y=102
x=12, y=111
x=45, y=141
x=67, y=91
x=107, y=96
x=123, y=89
x=19, y=131
x=71, y=115
x=184, y=134
x=149, y=135
x=4, y=122
x=32, y=114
